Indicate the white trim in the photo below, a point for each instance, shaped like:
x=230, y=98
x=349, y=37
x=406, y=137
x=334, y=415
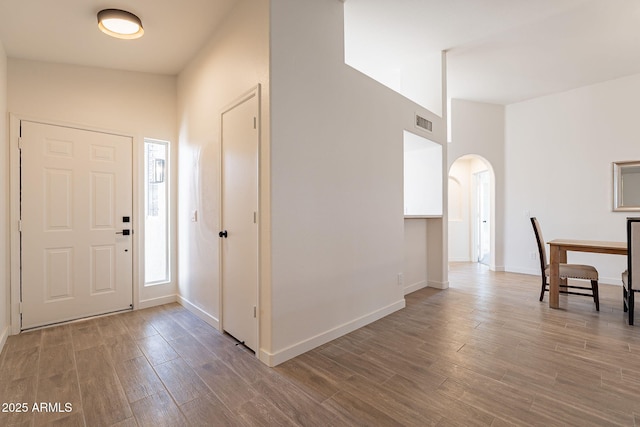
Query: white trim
x=200, y=313
x=273, y=359
x=415, y=286
x=610, y=281
x=460, y=259
x=528, y=271
x=154, y=302
x=438, y=285
x=14, y=218
x=3, y=337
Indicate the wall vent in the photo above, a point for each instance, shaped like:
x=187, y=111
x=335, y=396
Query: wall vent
x=423, y=123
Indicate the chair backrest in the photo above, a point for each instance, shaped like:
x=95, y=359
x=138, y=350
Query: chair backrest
x=633, y=248
x=540, y=240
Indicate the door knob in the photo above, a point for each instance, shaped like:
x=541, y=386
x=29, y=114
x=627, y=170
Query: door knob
x=124, y=232
x=223, y=234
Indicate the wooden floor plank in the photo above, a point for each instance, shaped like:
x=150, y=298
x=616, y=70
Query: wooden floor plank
x=157, y=349
x=181, y=381
x=103, y=401
x=158, y=410
x=227, y=385
x=205, y=409
x=66, y=391
x=138, y=378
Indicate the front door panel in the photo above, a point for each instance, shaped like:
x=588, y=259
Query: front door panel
x=76, y=186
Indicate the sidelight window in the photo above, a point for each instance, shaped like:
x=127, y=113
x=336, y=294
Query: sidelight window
x=156, y=225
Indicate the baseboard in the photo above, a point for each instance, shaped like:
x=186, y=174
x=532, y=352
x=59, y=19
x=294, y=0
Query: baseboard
x=414, y=287
x=3, y=337
x=459, y=260
x=522, y=270
x=274, y=359
x=154, y=302
x=499, y=268
x=614, y=281
x=438, y=285
x=200, y=313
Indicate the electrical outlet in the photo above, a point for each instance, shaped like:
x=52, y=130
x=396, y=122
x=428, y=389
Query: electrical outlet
x=400, y=280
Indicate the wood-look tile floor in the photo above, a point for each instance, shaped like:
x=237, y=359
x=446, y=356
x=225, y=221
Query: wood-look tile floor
x=484, y=352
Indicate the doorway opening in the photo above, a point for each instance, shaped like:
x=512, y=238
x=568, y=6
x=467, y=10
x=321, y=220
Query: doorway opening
x=472, y=211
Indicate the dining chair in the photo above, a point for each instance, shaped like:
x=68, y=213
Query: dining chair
x=567, y=271
x=633, y=265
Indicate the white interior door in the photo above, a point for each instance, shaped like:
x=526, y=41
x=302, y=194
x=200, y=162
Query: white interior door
x=483, y=209
x=76, y=200
x=239, y=235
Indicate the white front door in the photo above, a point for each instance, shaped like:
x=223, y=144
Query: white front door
x=76, y=200
x=239, y=235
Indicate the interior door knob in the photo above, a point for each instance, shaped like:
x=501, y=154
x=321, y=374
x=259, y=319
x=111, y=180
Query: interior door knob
x=223, y=234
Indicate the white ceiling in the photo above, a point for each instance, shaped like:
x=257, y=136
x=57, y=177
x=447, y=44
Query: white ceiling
x=504, y=51
x=500, y=51
x=66, y=31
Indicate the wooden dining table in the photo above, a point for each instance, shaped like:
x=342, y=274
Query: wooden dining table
x=558, y=249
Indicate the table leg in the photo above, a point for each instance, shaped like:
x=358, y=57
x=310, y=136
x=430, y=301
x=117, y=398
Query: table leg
x=557, y=256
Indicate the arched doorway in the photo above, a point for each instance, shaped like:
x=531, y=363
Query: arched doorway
x=472, y=210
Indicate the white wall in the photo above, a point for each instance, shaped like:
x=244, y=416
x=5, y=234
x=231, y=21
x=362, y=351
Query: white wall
x=422, y=176
x=337, y=179
x=415, y=271
x=559, y=154
x=136, y=104
x=479, y=129
x=235, y=60
x=4, y=205
x=386, y=58
x=460, y=211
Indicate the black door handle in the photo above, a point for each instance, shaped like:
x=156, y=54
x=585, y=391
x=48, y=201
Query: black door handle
x=223, y=234
x=124, y=232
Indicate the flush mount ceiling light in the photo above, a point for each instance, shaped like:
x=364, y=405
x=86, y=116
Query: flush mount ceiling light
x=120, y=24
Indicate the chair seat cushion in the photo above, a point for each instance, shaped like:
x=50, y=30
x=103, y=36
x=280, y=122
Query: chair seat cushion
x=576, y=271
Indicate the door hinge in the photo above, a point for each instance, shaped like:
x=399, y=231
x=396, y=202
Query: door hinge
x=255, y=123
x=20, y=307
x=255, y=217
x=254, y=311
x=20, y=143
x=20, y=225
